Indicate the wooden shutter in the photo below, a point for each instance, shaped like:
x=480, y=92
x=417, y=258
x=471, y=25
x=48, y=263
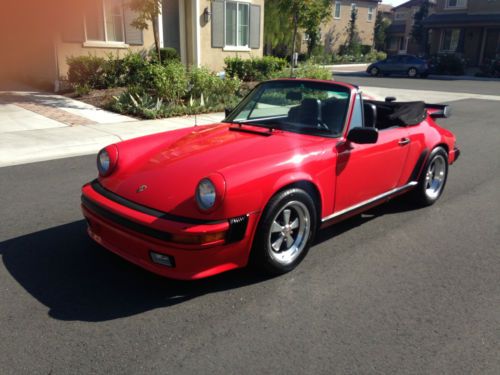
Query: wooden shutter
x=133, y=36
x=217, y=24
x=254, y=26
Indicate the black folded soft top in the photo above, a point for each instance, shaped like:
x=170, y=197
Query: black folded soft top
x=399, y=113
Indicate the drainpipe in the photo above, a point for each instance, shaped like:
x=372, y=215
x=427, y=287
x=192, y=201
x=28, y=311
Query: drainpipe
x=483, y=45
x=196, y=33
x=57, y=84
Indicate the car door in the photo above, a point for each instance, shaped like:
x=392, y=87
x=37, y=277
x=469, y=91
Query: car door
x=365, y=171
x=389, y=65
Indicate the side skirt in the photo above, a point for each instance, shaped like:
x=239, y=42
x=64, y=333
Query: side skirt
x=338, y=216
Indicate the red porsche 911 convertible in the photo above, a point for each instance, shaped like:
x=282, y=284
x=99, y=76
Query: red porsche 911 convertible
x=294, y=156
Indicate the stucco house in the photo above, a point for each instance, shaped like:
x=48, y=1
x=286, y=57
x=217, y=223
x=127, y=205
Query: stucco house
x=204, y=32
x=334, y=32
x=468, y=28
x=399, y=32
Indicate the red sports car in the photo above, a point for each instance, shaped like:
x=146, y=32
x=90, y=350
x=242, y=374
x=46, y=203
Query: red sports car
x=294, y=156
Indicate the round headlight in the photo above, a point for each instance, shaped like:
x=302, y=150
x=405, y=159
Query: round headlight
x=205, y=194
x=103, y=162
x=106, y=160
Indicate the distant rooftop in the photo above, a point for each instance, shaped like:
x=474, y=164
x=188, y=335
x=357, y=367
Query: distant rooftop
x=385, y=8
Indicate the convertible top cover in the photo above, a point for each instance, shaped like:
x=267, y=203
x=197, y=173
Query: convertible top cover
x=399, y=113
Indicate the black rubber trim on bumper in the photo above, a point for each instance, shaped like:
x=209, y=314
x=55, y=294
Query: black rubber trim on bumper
x=147, y=210
x=129, y=224
x=456, y=150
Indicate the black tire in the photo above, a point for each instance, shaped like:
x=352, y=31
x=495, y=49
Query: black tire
x=374, y=72
x=429, y=189
x=283, y=259
x=412, y=72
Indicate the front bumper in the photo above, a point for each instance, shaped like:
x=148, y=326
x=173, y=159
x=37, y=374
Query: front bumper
x=134, y=234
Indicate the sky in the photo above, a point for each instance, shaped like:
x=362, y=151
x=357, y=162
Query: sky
x=394, y=2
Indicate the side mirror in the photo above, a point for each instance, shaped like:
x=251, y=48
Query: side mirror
x=227, y=111
x=363, y=135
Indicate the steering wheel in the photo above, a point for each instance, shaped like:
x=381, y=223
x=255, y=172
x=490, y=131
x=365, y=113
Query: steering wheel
x=323, y=125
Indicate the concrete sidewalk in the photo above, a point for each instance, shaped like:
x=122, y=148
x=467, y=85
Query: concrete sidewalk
x=52, y=142
x=38, y=126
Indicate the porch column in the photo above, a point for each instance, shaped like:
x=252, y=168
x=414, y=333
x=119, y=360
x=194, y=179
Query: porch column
x=196, y=32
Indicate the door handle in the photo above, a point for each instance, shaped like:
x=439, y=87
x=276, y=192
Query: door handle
x=404, y=141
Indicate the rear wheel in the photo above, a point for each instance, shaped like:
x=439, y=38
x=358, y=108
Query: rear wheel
x=412, y=72
x=433, y=179
x=374, y=71
x=285, y=232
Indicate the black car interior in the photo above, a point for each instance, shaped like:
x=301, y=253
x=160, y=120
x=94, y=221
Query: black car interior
x=319, y=113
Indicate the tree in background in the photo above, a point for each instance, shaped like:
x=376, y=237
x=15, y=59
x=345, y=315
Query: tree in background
x=380, y=33
x=277, y=30
x=290, y=15
x=418, y=31
x=147, y=11
x=315, y=14
x=352, y=45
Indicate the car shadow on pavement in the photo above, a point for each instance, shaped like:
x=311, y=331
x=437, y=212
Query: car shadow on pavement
x=394, y=206
x=79, y=280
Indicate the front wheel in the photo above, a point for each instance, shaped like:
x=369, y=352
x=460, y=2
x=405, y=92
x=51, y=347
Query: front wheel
x=374, y=71
x=285, y=232
x=412, y=72
x=433, y=179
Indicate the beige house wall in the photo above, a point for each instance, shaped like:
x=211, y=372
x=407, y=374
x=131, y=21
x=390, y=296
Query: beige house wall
x=213, y=58
x=334, y=32
x=68, y=49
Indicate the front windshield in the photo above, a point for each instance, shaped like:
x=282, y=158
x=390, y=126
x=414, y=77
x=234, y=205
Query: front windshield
x=317, y=108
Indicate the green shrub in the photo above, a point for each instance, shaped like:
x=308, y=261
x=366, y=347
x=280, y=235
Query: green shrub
x=365, y=49
x=254, y=69
x=169, y=82
x=235, y=67
x=134, y=67
x=142, y=105
x=374, y=56
x=167, y=54
x=82, y=90
x=202, y=80
x=264, y=67
x=313, y=72
x=449, y=64
x=87, y=71
x=306, y=70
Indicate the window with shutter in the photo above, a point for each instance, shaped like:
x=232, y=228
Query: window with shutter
x=235, y=25
x=104, y=21
x=255, y=26
x=217, y=24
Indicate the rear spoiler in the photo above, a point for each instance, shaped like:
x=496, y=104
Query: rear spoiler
x=438, y=110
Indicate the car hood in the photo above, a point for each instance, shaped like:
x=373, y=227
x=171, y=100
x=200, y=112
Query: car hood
x=171, y=164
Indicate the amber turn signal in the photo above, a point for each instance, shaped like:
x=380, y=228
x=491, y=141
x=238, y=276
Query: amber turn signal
x=198, y=239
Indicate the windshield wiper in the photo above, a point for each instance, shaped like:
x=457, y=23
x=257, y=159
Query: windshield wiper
x=270, y=125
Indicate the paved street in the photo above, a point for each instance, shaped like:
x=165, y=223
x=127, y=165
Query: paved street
x=395, y=291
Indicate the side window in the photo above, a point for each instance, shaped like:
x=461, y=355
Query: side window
x=357, y=114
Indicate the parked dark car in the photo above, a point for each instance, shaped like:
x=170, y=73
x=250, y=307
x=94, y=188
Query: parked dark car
x=408, y=65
